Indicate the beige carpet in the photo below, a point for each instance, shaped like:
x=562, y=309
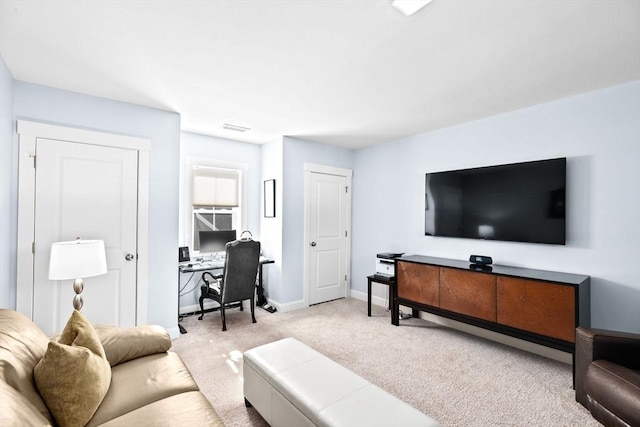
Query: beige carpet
x=456, y=378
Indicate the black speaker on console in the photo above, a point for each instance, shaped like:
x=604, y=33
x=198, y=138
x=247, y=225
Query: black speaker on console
x=480, y=260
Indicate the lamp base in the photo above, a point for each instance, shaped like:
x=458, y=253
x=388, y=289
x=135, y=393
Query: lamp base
x=78, y=286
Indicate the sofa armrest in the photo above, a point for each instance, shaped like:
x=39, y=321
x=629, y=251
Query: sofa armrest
x=124, y=344
x=622, y=348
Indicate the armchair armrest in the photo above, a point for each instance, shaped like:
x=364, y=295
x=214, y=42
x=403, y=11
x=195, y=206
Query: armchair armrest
x=622, y=348
x=214, y=277
x=124, y=344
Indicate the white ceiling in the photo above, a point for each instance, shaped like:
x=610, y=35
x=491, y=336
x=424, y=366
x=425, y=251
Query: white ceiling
x=350, y=73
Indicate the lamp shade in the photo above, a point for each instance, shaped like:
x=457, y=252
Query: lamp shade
x=77, y=259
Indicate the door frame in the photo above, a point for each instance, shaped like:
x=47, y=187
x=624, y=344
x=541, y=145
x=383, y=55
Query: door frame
x=310, y=168
x=28, y=133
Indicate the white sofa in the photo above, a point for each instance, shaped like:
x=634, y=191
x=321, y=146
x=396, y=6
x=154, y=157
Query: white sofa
x=290, y=384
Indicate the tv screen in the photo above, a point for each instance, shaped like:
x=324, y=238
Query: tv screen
x=520, y=202
x=215, y=241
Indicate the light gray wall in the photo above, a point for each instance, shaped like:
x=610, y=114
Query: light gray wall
x=271, y=228
x=44, y=104
x=599, y=133
x=227, y=152
x=8, y=210
x=296, y=153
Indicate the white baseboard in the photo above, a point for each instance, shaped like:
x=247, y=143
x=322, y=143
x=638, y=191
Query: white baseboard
x=187, y=309
x=358, y=295
x=289, y=306
x=375, y=300
x=174, y=333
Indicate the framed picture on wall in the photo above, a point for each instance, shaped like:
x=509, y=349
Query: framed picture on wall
x=270, y=198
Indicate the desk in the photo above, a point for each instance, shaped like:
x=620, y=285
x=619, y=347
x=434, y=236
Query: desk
x=218, y=264
x=389, y=281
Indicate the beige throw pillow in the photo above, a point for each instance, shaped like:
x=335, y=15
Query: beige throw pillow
x=74, y=374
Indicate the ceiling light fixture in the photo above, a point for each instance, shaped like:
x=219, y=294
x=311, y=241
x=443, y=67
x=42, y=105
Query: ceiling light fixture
x=409, y=7
x=235, y=128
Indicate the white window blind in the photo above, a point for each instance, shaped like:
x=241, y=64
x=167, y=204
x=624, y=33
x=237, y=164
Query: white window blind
x=215, y=187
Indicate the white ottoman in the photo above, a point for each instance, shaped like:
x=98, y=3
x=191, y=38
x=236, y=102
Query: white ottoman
x=291, y=384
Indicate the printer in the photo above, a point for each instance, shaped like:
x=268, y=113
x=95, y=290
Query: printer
x=385, y=264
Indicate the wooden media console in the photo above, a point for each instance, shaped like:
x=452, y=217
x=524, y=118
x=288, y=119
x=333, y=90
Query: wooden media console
x=543, y=307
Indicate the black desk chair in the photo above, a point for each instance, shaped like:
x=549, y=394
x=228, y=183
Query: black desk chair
x=238, y=280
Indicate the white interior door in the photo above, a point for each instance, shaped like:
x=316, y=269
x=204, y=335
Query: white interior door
x=327, y=236
x=91, y=192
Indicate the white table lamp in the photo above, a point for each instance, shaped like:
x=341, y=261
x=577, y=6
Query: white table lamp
x=76, y=260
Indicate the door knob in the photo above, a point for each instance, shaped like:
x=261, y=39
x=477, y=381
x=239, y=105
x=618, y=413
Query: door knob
x=128, y=257
x=313, y=243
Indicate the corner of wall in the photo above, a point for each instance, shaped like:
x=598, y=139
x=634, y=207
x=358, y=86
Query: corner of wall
x=8, y=193
x=271, y=228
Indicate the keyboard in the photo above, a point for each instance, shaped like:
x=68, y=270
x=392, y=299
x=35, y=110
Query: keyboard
x=203, y=265
x=212, y=264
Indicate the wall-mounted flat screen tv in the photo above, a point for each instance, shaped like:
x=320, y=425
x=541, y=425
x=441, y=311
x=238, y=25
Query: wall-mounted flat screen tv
x=519, y=202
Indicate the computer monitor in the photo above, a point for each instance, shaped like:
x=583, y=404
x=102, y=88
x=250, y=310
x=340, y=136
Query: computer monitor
x=215, y=241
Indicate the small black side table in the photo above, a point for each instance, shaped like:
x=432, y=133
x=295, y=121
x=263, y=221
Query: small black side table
x=389, y=281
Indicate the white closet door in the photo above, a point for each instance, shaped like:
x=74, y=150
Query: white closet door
x=328, y=237
x=91, y=192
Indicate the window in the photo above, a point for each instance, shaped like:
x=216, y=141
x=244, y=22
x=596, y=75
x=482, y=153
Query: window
x=215, y=200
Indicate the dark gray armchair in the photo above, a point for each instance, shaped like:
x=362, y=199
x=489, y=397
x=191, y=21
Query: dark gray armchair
x=238, y=280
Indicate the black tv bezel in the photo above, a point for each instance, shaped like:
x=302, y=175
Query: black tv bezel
x=478, y=168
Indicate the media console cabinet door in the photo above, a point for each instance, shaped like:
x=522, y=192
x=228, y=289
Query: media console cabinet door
x=540, y=307
x=418, y=282
x=469, y=293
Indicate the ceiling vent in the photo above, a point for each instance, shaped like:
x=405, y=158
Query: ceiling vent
x=235, y=128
